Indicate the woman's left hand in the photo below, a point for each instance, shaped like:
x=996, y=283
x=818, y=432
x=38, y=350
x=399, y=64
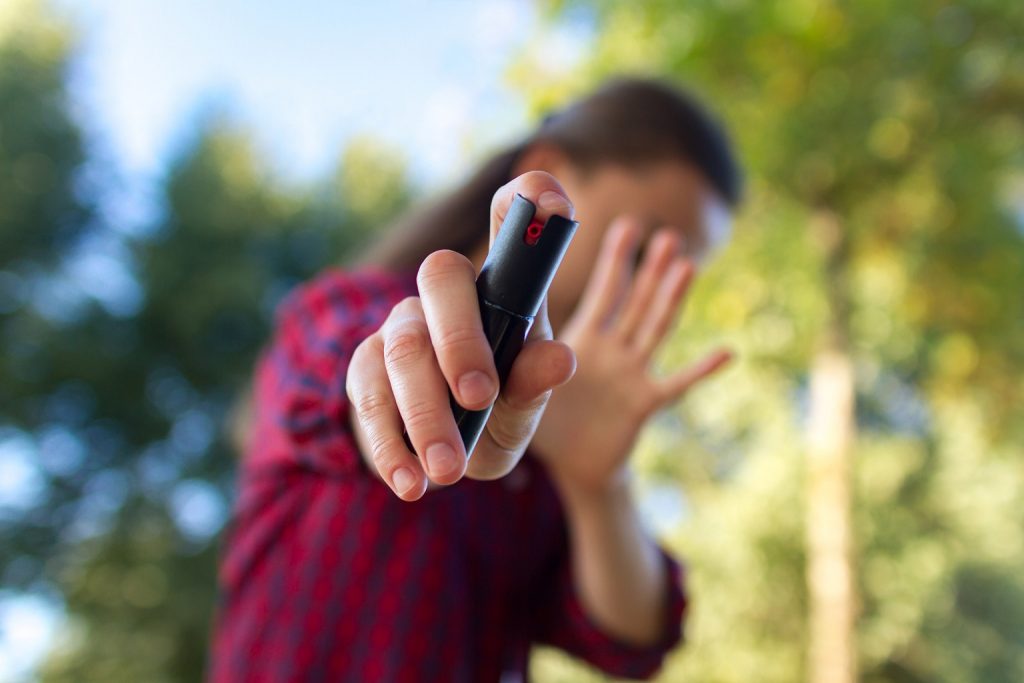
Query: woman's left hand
x=591, y=423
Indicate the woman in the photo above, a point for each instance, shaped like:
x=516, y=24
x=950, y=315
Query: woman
x=351, y=557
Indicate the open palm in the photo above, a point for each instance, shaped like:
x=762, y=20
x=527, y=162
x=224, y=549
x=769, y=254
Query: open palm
x=592, y=422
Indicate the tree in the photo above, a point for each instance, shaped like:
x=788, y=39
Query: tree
x=43, y=218
x=871, y=290
x=122, y=400
x=232, y=243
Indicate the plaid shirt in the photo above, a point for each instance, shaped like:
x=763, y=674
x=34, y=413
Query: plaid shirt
x=327, y=576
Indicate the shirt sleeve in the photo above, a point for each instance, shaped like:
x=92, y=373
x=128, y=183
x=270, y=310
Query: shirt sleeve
x=565, y=624
x=301, y=408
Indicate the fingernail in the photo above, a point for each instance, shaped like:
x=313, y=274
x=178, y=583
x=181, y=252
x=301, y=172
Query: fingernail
x=475, y=387
x=403, y=480
x=555, y=202
x=441, y=459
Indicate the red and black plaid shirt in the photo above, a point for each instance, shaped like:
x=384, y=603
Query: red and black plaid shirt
x=327, y=576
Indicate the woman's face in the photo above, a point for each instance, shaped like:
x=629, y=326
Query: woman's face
x=666, y=194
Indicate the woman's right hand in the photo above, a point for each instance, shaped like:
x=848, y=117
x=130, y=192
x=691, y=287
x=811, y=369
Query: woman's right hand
x=402, y=373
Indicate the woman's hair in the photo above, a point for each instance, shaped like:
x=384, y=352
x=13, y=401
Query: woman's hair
x=629, y=120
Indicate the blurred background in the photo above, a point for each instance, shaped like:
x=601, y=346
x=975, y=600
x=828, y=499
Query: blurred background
x=847, y=497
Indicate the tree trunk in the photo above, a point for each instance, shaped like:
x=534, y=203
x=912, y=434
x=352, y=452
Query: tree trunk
x=830, y=436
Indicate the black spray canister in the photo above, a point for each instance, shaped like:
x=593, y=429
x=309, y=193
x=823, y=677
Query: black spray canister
x=511, y=285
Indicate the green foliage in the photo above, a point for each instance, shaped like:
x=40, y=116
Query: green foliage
x=901, y=121
x=129, y=409
x=40, y=148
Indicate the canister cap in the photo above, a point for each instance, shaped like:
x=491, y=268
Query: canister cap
x=521, y=263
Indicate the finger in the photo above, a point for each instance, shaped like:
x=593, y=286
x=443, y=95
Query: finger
x=673, y=387
x=541, y=188
x=540, y=367
x=665, y=308
x=611, y=275
x=421, y=392
x=657, y=256
x=541, y=326
x=447, y=286
x=369, y=393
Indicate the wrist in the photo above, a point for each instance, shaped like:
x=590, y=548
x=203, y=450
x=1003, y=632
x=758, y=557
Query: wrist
x=585, y=495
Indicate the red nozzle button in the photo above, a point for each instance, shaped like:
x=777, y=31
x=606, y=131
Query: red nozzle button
x=533, y=231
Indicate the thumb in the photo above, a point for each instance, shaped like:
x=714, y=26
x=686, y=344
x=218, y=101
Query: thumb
x=541, y=366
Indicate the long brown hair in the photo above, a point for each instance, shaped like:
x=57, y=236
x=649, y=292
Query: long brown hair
x=628, y=120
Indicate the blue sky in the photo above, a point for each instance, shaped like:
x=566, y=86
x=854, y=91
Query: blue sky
x=306, y=75
x=303, y=77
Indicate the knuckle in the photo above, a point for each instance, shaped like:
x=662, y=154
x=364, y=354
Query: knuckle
x=349, y=383
x=350, y=391
x=499, y=195
x=442, y=264
x=408, y=341
x=493, y=464
x=643, y=406
x=364, y=347
x=460, y=339
x=372, y=405
x=422, y=416
x=536, y=403
x=521, y=403
x=409, y=305
x=634, y=346
x=511, y=427
x=382, y=450
x=359, y=360
x=508, y=435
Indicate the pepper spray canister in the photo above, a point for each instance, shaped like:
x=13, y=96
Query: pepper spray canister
x=510, y=287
